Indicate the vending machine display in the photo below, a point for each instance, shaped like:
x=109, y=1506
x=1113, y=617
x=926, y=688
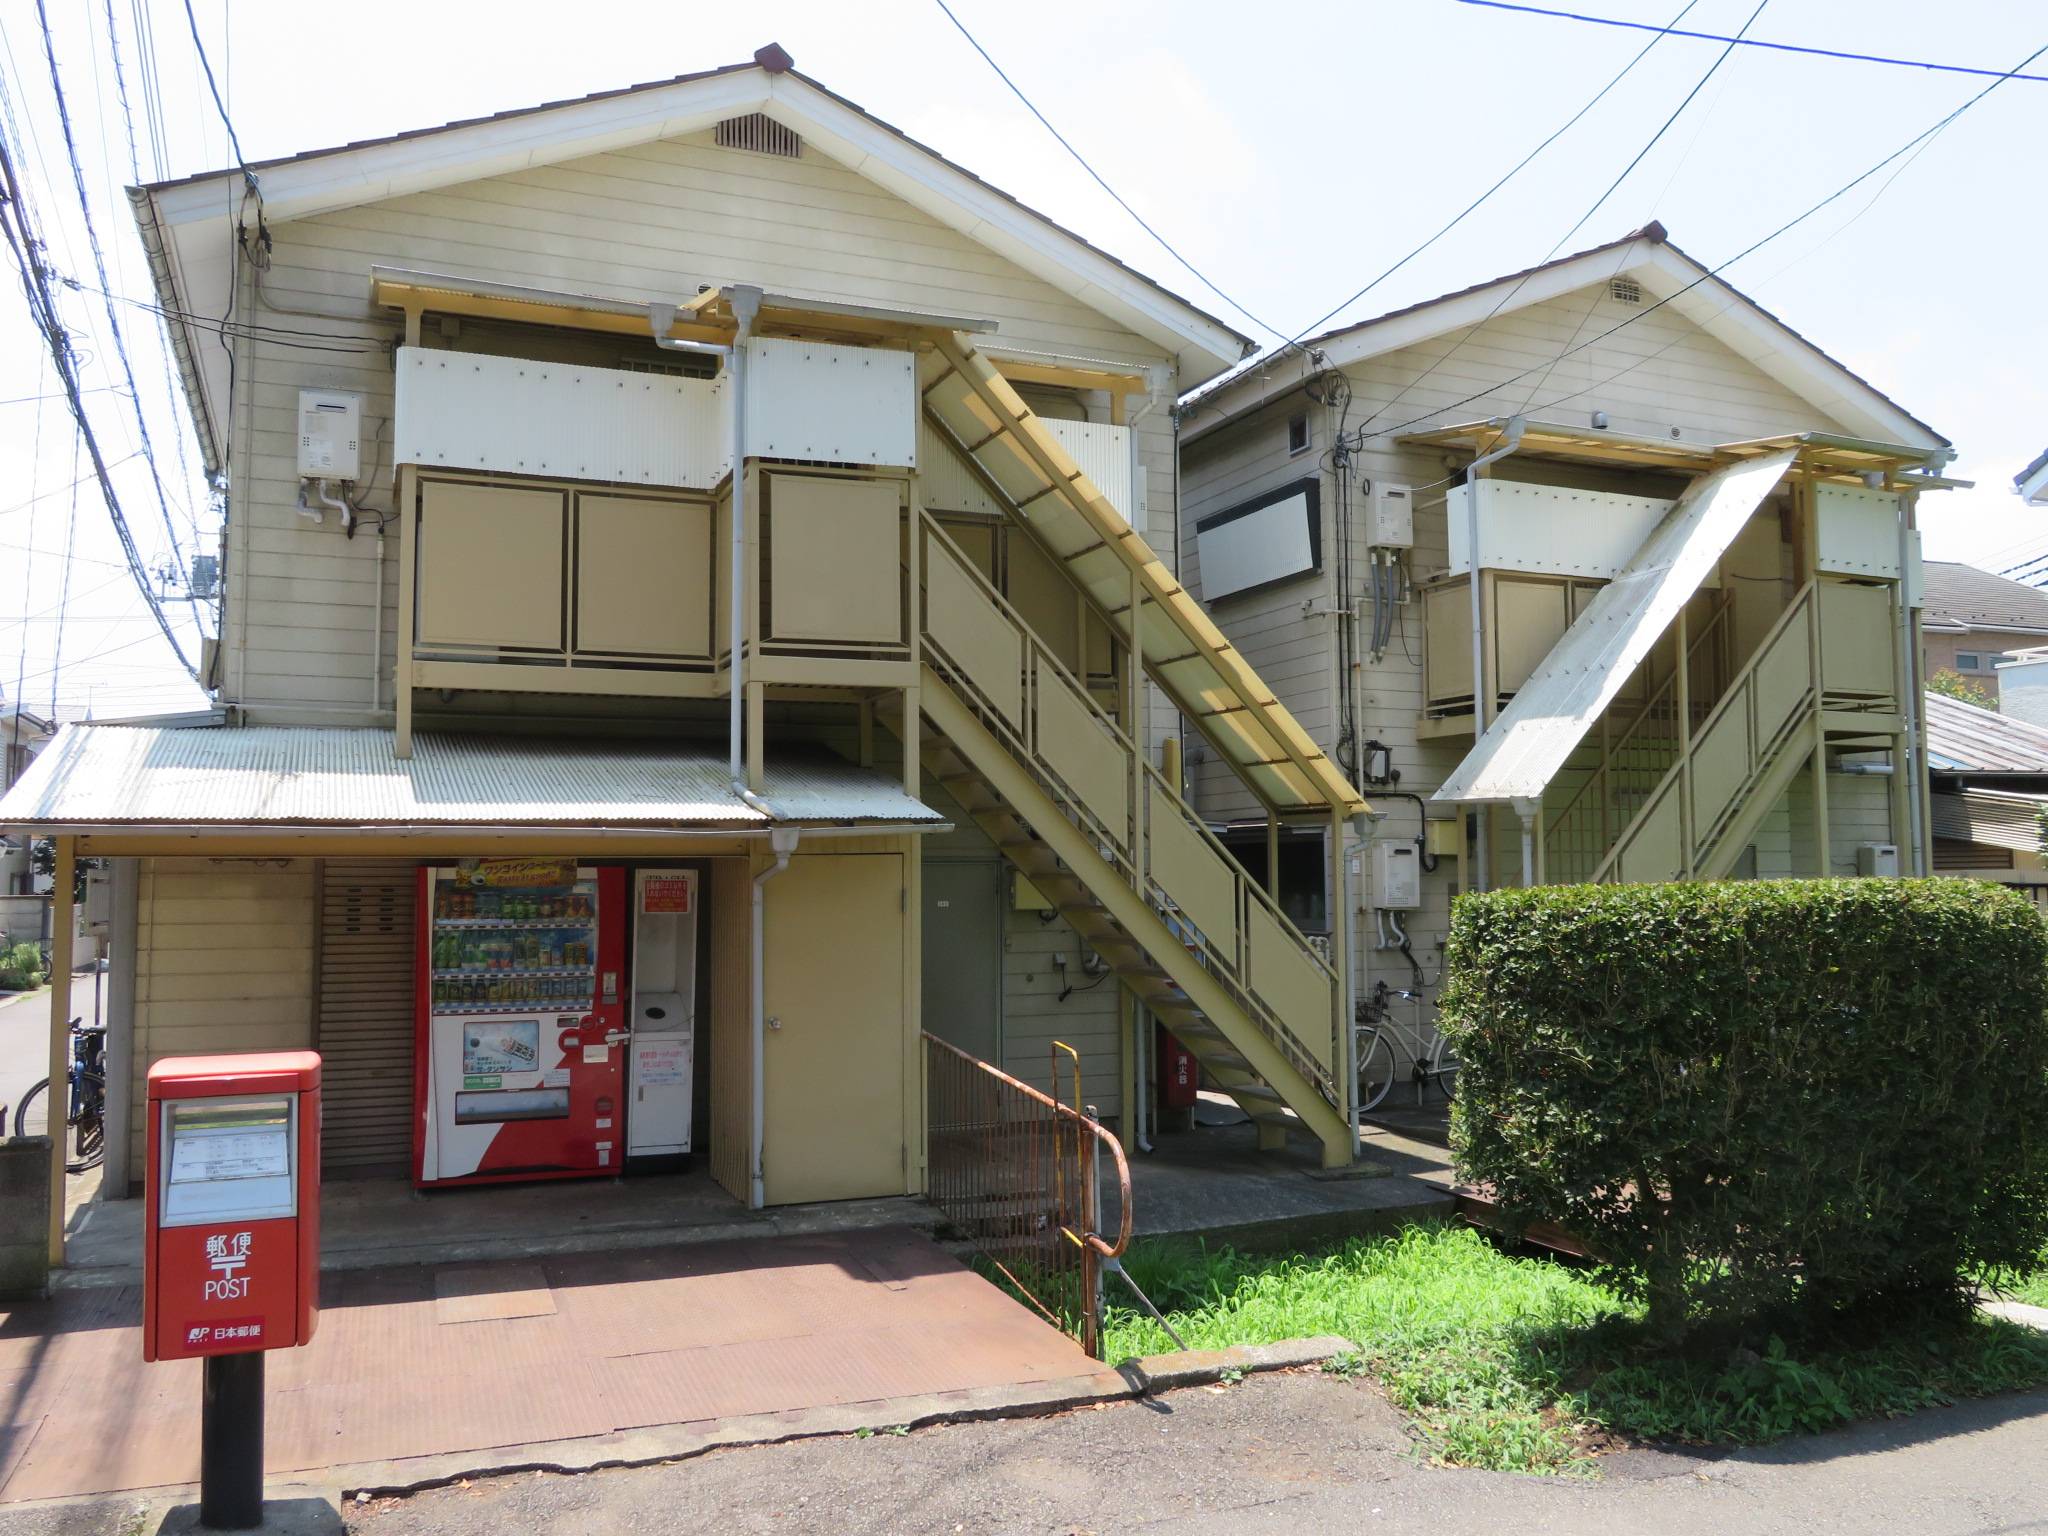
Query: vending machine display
x=519, y=1058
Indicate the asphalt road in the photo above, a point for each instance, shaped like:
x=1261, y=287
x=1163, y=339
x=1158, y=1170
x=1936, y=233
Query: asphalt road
x=1274, y=1456
x=25, y=1044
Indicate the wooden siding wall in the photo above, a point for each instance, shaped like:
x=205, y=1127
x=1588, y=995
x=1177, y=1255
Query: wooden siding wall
x=223, y=962
x=1659, y=373
x=652, y=222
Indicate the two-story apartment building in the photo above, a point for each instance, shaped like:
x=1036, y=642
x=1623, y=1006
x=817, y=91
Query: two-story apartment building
x=690, y=620
x=1597, y=571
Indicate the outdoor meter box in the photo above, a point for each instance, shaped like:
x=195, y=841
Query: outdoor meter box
x=1393, y=517
x=1396, y=876
x=1881, y=859
x=231, y=1224
x=330, y=435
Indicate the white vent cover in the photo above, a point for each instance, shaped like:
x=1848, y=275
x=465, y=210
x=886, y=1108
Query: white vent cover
x=760, y=134
x=1625, y=290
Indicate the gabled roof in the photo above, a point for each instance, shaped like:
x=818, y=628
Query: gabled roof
x=187, y=224
x=1963, y=738
x=2032, y=482
x=1960, y=596
x=1668, y=276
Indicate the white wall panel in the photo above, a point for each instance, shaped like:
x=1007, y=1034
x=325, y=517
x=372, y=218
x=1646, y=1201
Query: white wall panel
x=836, y=405
x=1103, y=453
x=1549, y=529
x=1241, y=550
x=467, y=410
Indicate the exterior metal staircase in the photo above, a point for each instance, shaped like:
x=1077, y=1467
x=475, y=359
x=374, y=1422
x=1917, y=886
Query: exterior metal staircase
x=1074, y=804
x=1733, y=768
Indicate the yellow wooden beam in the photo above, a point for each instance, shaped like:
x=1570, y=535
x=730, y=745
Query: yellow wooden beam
x=414, y=297
x=1059, y=376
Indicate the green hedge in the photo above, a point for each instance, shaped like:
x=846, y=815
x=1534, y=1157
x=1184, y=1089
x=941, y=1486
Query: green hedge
x=1835, y=1090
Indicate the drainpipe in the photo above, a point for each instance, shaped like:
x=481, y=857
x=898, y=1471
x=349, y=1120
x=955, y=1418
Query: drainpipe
x=1510, y=440
x=783, y=841
x=1526, y=809
x=1912, y=705
x=377, y=625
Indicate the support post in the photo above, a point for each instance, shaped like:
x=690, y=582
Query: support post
x=1272, y=853
x=57, y=1097
x=912, y=731
x=231, y=1443
x=407, y=524
x=1681, y=697
x=1345, y=1040
x=757, y=735
x=1134, y=718
x=1823, y=858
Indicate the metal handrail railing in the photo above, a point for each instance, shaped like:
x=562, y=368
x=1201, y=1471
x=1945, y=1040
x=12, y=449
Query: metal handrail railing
x=1126, y=848
x=1015, y=1172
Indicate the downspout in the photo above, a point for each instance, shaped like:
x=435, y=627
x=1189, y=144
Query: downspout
x=783, y=841
x=1913, y=704
x=1510, y=440
x=377, y=626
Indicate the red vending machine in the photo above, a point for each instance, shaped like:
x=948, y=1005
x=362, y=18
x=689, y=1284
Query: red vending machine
x=519, y=1054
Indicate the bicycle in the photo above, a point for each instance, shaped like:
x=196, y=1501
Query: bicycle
x=1434, y=1062
x=86, y=1103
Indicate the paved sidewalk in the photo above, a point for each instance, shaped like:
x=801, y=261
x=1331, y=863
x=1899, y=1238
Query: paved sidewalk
x=1276, y=1456
x=452, y=1364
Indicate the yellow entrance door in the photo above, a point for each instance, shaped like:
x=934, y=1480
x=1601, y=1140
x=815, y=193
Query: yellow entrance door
x=834, y=932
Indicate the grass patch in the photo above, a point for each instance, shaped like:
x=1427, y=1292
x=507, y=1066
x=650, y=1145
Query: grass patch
x=1529, y=1365
x=2030, y=1286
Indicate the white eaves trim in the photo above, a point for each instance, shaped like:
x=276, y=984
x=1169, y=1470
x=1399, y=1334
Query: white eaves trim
x=195, y=218
x=1713, y=306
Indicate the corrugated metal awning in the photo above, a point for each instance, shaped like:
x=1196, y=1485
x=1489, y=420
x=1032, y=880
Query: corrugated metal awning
x=1523, y=749
x=139, y=777
x=1993, y=817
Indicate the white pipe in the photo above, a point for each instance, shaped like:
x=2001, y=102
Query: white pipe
x=1510, y=440
x=1913, y=706
x=784, y=841
x=377, y=627
x=746, y=304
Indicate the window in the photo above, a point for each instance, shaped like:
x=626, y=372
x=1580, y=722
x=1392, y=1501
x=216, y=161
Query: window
x=1969, y=661
x=1297, y=433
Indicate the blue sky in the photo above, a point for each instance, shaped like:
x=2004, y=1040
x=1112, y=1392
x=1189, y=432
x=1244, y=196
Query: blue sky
x=1289, y=150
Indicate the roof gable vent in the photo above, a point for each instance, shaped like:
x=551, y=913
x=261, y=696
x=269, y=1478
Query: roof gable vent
x=759, y=134
x=1625, y=290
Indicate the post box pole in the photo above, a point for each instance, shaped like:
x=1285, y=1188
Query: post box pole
x=231, y=1443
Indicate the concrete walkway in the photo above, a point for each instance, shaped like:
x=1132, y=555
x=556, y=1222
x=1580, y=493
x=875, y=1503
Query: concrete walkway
x=433, y=1363
x=1275, y=1456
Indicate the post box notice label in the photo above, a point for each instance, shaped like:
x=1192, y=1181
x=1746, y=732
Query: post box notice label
x=665, y=893
x=211, y=1156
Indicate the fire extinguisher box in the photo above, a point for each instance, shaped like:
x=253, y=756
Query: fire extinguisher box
x=231, y=1261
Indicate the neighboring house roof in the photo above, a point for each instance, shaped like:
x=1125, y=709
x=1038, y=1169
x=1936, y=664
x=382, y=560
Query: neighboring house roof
x=2032, y=482
x=1668, y=276
x=1963, y=738
x=1956, y=597
x=142, y=777
x=187, y=224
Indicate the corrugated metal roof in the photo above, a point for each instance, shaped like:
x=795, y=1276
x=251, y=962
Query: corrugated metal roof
x=1962, y=738
x=120, y=775
x=1550, y=714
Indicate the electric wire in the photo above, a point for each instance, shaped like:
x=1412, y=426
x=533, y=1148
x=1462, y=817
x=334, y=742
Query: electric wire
x=1094, y=175
x=99, y=262
x=1926, y=134
x=64, y=592
x=1557, y=245
x=1752, y=42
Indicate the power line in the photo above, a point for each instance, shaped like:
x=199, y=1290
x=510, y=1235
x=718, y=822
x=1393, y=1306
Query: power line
x=22, y=243
x=234, y=139
x=99, y=261
x=1753, y=42
x=1094, y=175
x=1598, y=202
x=1925, y=135
x=1473, y=206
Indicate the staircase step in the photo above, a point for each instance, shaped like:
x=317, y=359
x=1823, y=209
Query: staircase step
x=1255, y=1090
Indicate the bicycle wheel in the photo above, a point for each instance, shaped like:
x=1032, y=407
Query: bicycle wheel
x=1443, y=1067
x=89, y=1128
x=1375, y=1069
x=32, y=1114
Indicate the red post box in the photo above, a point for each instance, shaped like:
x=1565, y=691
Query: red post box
x=231, y=1262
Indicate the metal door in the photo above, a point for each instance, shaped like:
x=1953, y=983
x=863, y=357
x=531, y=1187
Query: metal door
x=837, y=1049
x=963, y=955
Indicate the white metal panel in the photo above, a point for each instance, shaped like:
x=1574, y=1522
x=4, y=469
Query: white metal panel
x=1103, y=453
x=1856, y=530
x=828, y=404
x=1271, y=543
x=1549, y=529
x=945, y=483
x=466, y=410
x=1528, y=743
